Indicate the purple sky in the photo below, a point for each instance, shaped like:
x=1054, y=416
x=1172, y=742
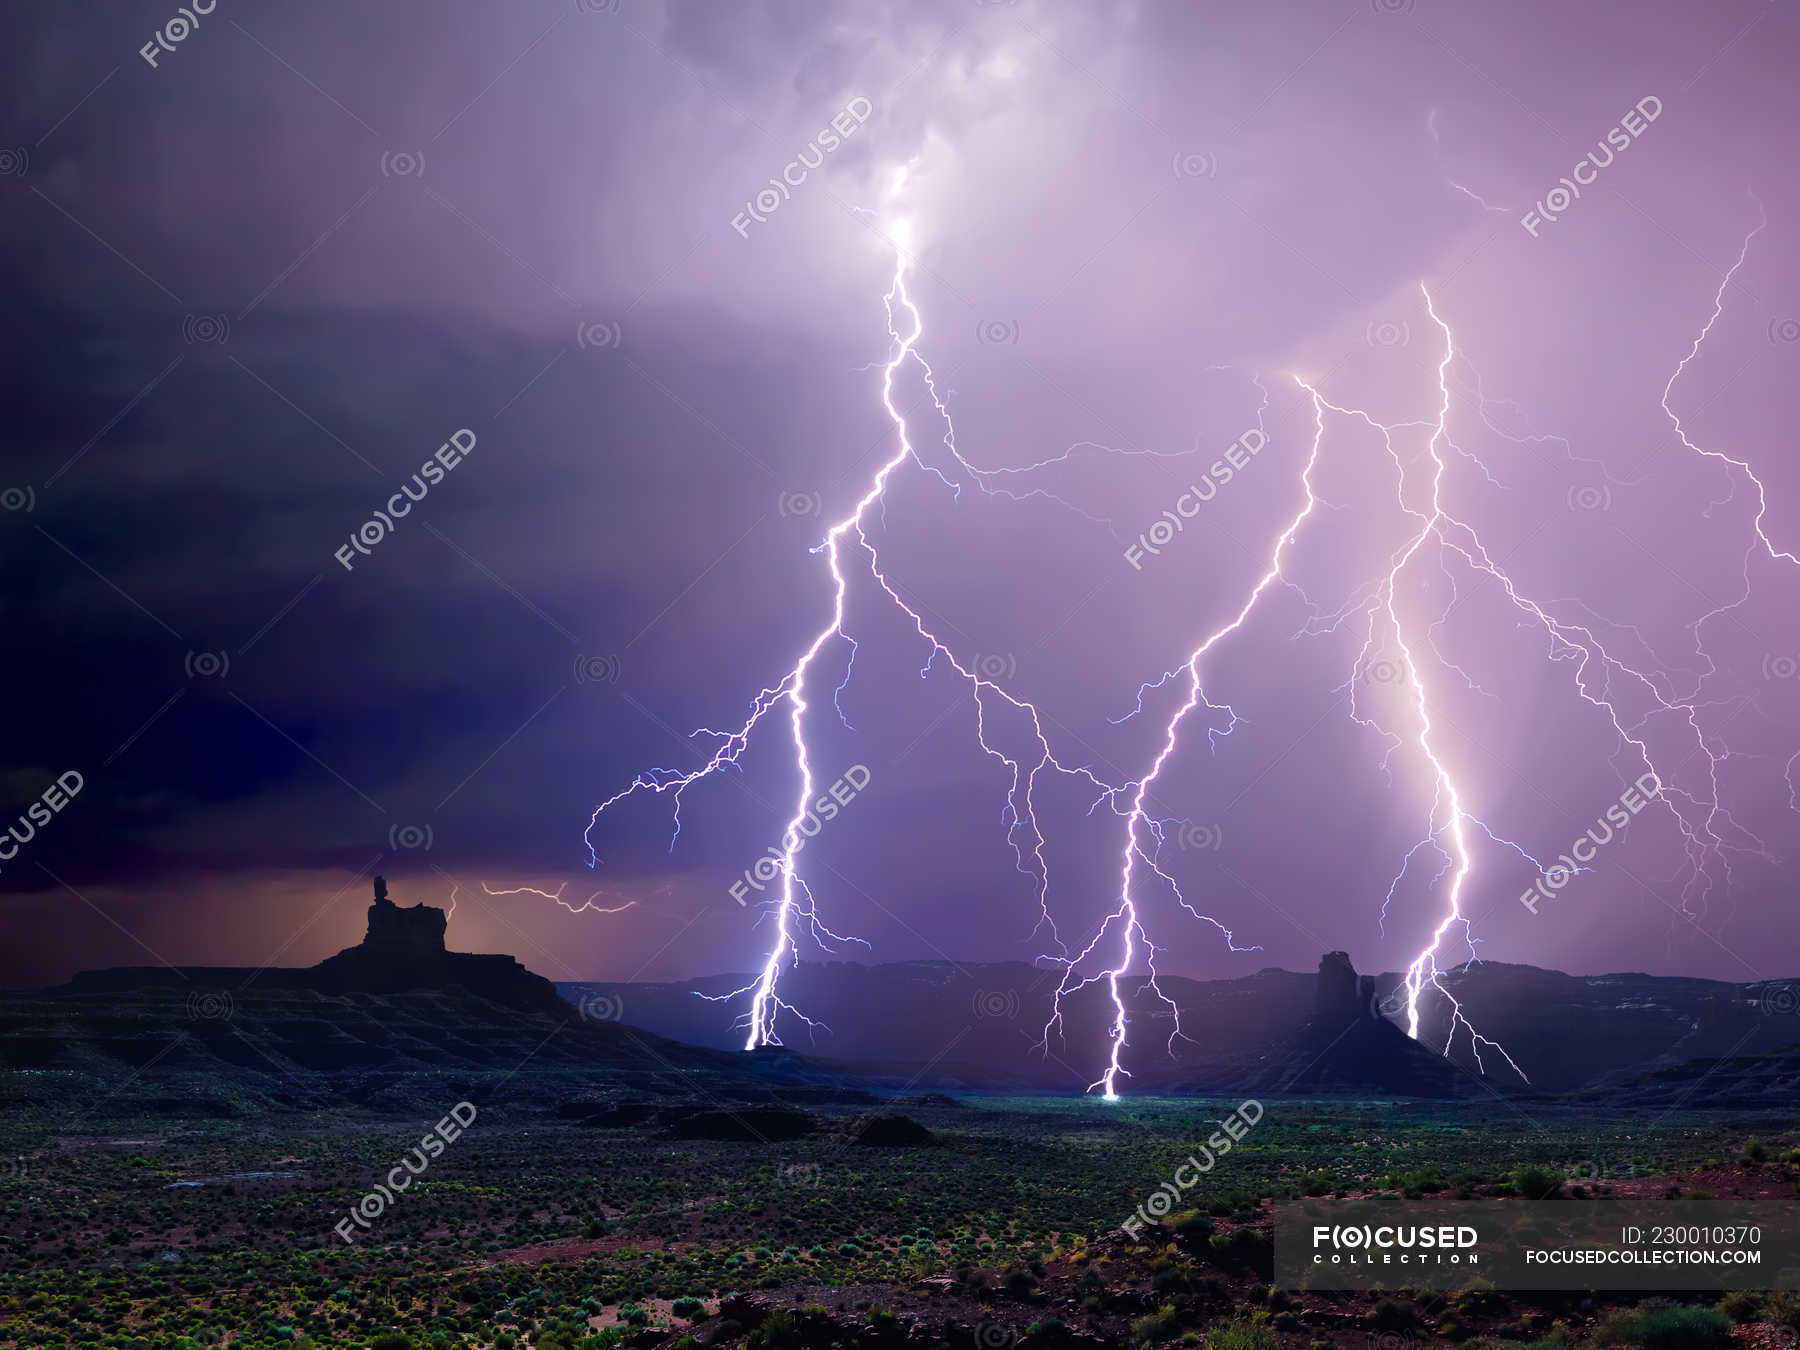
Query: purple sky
x=405, y=215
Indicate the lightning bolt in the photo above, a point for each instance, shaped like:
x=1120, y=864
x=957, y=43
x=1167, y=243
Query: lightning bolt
x=1642, y=703
x=1709, y=831
x=585, y=907
x=795, y=902
x=1741, y=466
x=796, y=906
x=1140, y=827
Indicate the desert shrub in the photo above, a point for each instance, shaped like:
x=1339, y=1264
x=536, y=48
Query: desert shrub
x=1021, y=1283
x=1194, y=1228
x=780, y=1330
x=1243, y=1246
x=687, y=1308
x=1156, y=1327
x=1419, y=1181
x=1537, y=1183
x=1744, y=1305
x=1783, y=1309
x=562, y=1334
x=1242, y=1333
x=1388, y=1315
x=1670, y=1328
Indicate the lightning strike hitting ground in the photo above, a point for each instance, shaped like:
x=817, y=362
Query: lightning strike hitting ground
x=796, y=902
x=1709, y=831
x=1639, y=702
x=1137, y=817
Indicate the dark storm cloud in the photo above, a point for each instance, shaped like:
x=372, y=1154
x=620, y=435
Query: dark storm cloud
x=409, y=217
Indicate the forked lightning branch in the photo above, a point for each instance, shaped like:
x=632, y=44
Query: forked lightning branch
x=1659, y=725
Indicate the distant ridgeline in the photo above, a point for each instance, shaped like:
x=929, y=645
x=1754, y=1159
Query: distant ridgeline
x=402, y=950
